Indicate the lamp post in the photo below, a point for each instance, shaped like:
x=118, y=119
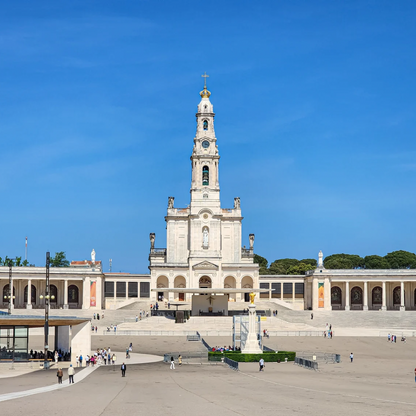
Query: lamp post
x=10, y=297
x=47, y=298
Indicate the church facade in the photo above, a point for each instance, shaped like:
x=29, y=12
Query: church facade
x=204, y=241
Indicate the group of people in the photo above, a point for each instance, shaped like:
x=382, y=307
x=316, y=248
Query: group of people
x=328, y=331
x=172, y=361
x=102, y=356
x=225, y=348
x=154, y=307
x=97, y=316
x=392, y=338
x=275, y=313
x=266, y=333
x=141, y=315
x=57, y=355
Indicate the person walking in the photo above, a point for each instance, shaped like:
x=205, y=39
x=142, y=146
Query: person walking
x=80, y=360
x=180, y=359
x=415, y=375
x=261, y=364
x=60, y=374
x=172, y=363
x=114, y=358
x=351, y=357
x=123, y=370
x=71, y=372
x=56, y=357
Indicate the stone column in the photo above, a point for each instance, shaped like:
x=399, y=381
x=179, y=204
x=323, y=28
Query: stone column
x=347, y=296
x=29, y=294
x=365, y=298
x=86, y=293
x=315, y=294
x=238, y=297
x=66, y=294
x=327, y=297
x=281, y=291
x=384, y=307
x=402, y=306
x=293, y=293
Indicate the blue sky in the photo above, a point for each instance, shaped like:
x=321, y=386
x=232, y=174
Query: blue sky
x=315, y=121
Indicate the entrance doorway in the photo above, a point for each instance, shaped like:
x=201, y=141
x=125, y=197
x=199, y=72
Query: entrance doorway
x=159, y=296
x=246, y=297
x=181, y=297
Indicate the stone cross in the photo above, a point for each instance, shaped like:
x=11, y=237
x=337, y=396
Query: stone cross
x=205, y=76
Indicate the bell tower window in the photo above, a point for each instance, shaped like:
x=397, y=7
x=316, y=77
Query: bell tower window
x=205, y=125
x=205, y=176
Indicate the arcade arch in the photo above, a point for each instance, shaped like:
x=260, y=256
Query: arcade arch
x=230, y=283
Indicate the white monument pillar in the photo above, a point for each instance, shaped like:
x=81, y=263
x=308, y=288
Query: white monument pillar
x=66, y=294
x=347, y=296
x=384, y=307
x=365, y=300
x=402, y=306
x=29, y=294
x=252, y=344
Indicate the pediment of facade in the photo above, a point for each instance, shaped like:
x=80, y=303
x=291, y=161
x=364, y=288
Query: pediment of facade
x=205, y=265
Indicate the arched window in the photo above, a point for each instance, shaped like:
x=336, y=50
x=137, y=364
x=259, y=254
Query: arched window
x=33, y=295
x=205, y=176
x=397, y=295
x=53, y=292
x=6, y=293
x=205, y=124
x=73, y=294
x=205, y=237
x=335, y=295
x=356, y=296
x=376, y=295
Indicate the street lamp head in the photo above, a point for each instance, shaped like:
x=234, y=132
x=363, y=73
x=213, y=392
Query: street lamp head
x=41, y=296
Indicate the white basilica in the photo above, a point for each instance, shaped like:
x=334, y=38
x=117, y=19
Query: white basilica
x=203, y=248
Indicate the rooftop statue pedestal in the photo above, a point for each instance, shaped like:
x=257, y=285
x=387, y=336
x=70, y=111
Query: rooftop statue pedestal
x=252, y=344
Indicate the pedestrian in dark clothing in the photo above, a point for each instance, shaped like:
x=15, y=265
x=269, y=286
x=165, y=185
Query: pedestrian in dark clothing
x=123, y=370
x=60, y=374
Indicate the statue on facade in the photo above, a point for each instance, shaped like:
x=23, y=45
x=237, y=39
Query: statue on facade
x=93, y=256
x=237, y=203
x=251, y=238
x=171, y=200
x=252, y=296
x=205, y=237
x=152, y=237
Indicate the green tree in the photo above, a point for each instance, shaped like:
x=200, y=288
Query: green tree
x=301, y=268
x=343, y=261
x=18, y=261
x=282, y=266
x=401, y=260
x=312, y=262
x=376, y=262
x=59, y=260
x=263, y=263
x=25, y=263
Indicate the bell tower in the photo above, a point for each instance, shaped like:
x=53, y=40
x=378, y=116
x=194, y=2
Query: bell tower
x=205, y=187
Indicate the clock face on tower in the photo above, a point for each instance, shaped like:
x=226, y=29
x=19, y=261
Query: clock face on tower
x=205, y=144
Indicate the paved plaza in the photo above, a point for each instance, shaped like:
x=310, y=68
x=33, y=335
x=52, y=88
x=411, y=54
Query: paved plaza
x=380, y=381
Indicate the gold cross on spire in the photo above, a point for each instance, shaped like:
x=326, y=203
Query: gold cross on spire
x=205, y=76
